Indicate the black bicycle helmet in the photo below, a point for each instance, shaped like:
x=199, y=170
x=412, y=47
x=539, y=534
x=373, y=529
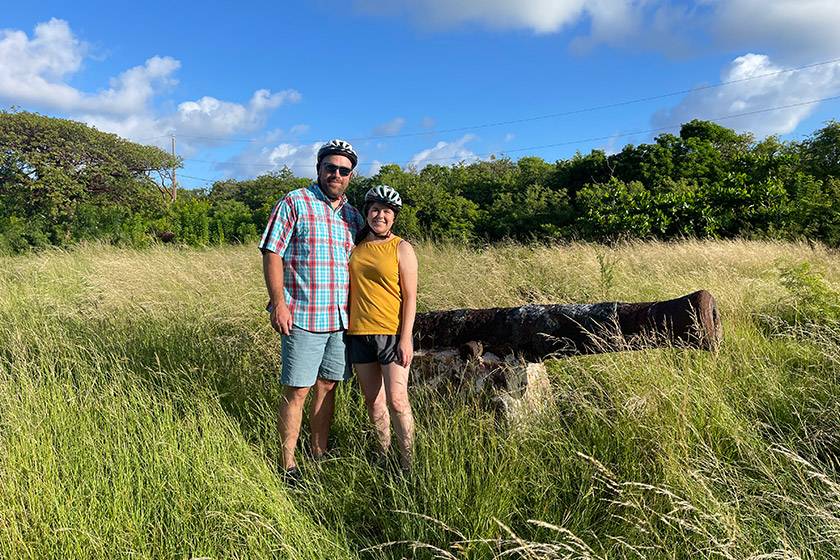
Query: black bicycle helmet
x=338, y=147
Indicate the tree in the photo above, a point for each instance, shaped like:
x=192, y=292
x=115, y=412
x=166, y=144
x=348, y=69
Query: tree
x=50, y=167
x=821, y=152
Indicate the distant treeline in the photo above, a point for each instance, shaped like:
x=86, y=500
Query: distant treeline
x=63, y=182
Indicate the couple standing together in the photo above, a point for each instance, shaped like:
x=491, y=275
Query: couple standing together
x=342, y=289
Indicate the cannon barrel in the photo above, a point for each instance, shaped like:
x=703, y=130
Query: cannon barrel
x=536, y=332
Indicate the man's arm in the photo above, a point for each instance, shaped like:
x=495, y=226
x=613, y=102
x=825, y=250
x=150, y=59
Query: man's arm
x=281, y=317
x=275, y=240
x=407, y=263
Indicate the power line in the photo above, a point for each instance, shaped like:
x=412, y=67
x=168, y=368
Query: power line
x=540, y=117
x=197, y=178
x=565, y=143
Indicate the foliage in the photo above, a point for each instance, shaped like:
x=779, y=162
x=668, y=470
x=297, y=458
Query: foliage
x=53, y=171
x=811, y=299
x=65, y=182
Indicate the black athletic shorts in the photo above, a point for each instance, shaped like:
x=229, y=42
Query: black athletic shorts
x=368, y=348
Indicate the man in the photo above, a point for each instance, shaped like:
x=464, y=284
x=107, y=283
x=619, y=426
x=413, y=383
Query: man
x=305, y=248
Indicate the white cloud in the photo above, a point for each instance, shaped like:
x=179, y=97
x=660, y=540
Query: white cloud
x=31, y=70
x=542, y=16
x=132, y=90
x=210, y=117
x=794, y=29
x=34, y=73
x=800, y=29
x=374, y=168
x=53, y=51
x=782, y=89
x=390, y=128
x=428, y=122
x=635, y=23
x=509, y=136
x=444, y=153
x=300, y=158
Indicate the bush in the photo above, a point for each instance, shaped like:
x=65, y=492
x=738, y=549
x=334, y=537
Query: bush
x=192, y=220
x=231, y=221
x=811, y=300
x=615, y=209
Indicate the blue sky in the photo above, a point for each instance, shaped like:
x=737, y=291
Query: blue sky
x=250, y=88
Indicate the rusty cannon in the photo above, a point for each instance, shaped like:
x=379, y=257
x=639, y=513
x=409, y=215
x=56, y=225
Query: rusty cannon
x=536, y=332
x=499, y=352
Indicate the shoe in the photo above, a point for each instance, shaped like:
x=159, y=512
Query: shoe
x=292, y=477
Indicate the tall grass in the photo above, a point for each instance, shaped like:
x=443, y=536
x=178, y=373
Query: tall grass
x=138, y=392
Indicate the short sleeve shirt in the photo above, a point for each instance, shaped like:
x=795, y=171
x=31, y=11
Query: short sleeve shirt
x=315, y=241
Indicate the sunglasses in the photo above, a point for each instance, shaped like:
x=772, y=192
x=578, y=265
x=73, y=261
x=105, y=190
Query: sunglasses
x=343, y=171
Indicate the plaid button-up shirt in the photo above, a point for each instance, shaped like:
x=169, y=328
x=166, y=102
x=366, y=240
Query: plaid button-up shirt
x=315, y=241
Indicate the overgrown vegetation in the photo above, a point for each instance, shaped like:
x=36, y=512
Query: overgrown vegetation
x=62, y=182
x=139, y=390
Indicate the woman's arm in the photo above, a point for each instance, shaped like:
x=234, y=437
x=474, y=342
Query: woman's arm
x=407, y=262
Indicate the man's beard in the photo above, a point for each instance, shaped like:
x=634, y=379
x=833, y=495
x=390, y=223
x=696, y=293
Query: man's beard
x=326, y=192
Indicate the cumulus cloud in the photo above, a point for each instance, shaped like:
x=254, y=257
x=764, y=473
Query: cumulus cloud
x=34, y=72
x=444, y=153
x=798, y=29
x=795, y=29
x=777, y=90
x=540, y=15
x=638, y=23
x=213, y=117
x=390, y=128
x=373, y=168
x=300, y=158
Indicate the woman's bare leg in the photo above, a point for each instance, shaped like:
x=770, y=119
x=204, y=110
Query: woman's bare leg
x=370, y=379
x=396, y=391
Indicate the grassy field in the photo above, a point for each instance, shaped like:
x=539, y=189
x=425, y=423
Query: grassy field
x=138, y=392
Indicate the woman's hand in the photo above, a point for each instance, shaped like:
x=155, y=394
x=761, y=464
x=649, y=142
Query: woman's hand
x=405, y=351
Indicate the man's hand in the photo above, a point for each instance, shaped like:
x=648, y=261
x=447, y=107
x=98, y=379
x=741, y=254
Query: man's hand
x=281, y=318
x=405, y=351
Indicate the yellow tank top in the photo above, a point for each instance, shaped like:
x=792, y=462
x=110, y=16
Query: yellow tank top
x=375, y=297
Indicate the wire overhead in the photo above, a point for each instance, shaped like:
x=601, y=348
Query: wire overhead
x=571, y=112
x=534, y=118
x=557, y=144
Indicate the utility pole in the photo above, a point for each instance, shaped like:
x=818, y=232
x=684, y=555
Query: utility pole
x=174, y=192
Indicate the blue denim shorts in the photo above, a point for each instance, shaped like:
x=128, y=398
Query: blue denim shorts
x=308, y=355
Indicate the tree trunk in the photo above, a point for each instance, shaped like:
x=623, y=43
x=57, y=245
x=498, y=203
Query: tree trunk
x=537, y=332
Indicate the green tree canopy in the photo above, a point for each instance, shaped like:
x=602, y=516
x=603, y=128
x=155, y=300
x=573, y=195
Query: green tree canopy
x=50, y=168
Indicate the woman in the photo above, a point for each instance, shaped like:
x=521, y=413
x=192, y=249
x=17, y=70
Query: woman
x=383, y=303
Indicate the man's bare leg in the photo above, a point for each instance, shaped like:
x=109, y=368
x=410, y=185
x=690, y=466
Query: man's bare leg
x=321, y=415
x=288, y=421
x=396, y=390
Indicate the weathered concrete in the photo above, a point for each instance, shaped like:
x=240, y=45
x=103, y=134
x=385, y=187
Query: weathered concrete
x=513, y=388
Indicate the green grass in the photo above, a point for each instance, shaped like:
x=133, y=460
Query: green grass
x=138, y=392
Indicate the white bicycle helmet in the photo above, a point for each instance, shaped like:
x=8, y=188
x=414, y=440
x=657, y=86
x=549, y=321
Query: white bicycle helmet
x=385, y=195
x=338, y=147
